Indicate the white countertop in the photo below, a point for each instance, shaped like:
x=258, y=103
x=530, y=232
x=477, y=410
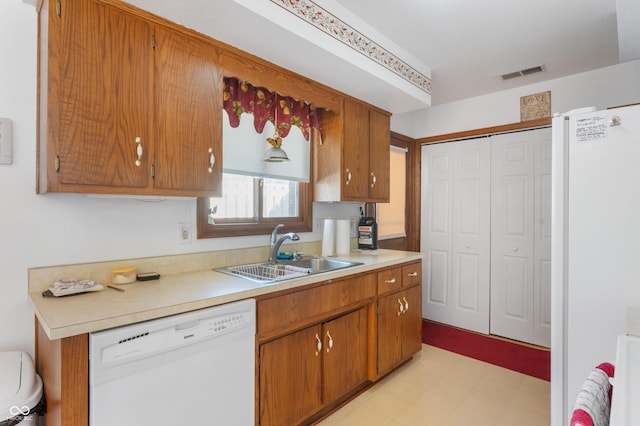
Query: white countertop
x=177, y=293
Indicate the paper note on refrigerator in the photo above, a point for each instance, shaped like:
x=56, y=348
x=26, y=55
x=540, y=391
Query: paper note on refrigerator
x=591, y=128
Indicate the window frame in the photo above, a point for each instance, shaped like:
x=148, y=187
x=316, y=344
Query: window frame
x=302, y=223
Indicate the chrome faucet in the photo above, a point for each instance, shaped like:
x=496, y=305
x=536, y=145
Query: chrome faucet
x=276, y=242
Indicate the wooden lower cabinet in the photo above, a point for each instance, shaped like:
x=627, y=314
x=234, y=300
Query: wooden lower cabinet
x=344, y=361
x=305, y=370
x=290, y=378
x=399, y=328
x=320, y=346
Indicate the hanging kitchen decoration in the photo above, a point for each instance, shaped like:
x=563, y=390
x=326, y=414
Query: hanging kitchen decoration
x=282, y=111
x=275, y=154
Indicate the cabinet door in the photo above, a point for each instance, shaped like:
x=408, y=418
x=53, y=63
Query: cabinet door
x=355, y=183
x=290, y=377
x=389, y=332
x=345, y=354
x=101, y=91
x=412, y=322
x=379, y=153
x=188, y=115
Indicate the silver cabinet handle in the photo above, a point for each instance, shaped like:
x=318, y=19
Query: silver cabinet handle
x=318, y=345
x=406, y=305
x=391, y=281
x=348, y=176
x=212, y=160
x=413, y=274
x=138, y=151
x=373, y=179
x=401, y=311
x=330, y=342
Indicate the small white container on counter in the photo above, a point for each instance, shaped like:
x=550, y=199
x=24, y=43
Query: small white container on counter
x=123, y=275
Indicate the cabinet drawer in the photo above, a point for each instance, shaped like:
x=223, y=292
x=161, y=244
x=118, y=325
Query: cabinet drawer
x=284, y=313
x=389, y=280
x=412, y=274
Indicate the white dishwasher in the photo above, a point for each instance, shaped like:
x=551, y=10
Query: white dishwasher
x=191, y=368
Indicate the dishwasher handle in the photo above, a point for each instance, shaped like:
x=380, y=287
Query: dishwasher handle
x=187, y=325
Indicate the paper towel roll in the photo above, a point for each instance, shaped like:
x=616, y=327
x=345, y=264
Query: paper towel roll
x=343, y=236
x=329, y=237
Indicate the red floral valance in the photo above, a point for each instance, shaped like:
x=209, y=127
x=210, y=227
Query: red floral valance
x=282, y=111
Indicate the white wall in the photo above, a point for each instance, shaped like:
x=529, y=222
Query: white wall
x=55, y=229
x=604, y=87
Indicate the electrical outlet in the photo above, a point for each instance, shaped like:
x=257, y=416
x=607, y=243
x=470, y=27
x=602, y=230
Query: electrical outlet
x=184, y=233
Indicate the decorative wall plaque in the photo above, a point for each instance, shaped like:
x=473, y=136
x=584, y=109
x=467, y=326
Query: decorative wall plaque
x=535, y=106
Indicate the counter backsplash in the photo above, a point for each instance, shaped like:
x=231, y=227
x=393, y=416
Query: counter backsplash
x=41, y=278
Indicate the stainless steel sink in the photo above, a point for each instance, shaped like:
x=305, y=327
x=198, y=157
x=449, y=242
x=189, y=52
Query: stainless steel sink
x=320, y=264
x=268, y=272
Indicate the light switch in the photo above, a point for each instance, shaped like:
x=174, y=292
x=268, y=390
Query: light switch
x=5, y=141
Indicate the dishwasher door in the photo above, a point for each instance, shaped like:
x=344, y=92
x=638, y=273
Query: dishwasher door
x=192, y=368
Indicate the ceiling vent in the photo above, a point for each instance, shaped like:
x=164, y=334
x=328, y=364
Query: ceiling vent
x=522, y=73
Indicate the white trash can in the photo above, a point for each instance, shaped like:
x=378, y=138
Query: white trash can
x=20, y=390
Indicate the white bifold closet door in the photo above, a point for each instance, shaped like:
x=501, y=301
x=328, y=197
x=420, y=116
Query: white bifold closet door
x=521, y=236
x=455, y=233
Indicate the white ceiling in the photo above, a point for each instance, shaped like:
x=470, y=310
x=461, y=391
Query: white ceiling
x=466, y=45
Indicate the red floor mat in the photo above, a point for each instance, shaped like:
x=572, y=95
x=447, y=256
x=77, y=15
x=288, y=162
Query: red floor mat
x=521, y=358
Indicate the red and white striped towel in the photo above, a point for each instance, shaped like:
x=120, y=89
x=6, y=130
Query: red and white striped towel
x=593, y=404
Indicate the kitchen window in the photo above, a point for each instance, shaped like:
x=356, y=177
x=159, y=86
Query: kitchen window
x=257, y=191
x=253, y=205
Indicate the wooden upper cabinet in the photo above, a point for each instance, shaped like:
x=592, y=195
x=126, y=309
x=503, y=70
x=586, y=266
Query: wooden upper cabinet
x=355, y=151
x=352, y=163
x=118, y=116
x=379, y=156
x=188, y=116
x=98, y=98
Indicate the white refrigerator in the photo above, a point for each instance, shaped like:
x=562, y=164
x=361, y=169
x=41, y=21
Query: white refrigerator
x=595, y=243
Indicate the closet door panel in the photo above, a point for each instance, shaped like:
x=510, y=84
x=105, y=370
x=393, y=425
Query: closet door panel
x=466, y=282
x=512, y=186
x=436, y=220
x=437, y=277
x=542, y=240
x=455, y=233
x=471, y=236
x=514, y=300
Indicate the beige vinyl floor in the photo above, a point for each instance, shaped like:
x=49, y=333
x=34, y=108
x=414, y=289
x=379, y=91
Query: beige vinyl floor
x=443, y=388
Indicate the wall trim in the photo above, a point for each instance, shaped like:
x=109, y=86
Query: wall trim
x=467, y=134
x=325, y=21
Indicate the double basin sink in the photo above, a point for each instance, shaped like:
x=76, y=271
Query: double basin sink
x=268, y=272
